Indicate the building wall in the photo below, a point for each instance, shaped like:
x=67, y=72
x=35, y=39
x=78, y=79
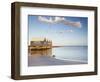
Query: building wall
x=41, y=43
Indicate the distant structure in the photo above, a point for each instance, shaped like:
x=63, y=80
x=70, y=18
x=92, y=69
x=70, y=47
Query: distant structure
x=41, y=44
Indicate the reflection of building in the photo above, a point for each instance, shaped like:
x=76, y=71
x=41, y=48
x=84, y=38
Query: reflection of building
x=41, y=52
x=41, y=44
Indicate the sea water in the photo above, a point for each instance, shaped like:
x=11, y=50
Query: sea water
x=73, y=53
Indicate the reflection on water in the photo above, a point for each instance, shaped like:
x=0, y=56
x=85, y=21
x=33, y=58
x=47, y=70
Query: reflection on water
x=41, y=52
x=79, y=53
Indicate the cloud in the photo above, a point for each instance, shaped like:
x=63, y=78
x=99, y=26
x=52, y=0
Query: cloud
x=51, y=19
x=44, y=19
x=56, y=19
x=59, y=19
x=74, y=24
x=66, y=31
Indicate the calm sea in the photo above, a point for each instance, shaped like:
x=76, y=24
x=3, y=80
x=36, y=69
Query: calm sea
x=74, y=53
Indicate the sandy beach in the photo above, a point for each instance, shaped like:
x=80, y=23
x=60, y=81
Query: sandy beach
x=47, y=61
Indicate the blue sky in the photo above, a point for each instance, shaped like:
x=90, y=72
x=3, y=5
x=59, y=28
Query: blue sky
x=60, y=33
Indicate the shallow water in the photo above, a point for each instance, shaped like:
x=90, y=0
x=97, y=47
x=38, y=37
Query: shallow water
x=73, y=53
x=67, y=55
x=77, y=53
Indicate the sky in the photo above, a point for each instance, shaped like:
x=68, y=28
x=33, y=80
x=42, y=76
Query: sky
x=63, y=31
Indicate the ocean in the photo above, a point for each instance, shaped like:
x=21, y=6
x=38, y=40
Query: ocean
x=63, y=55
x=73, y=53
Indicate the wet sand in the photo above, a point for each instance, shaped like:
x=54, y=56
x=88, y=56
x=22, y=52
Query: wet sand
x=48, y=61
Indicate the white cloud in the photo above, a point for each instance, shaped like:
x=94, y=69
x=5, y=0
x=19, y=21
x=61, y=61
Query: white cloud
x=50, y=19
x=56, y=19
x=59, y=19
x=71, y=23
x=44, y=19
x=65, y=31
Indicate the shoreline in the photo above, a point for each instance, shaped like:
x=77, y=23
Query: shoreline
x=71, y=46
x=40, y=48
x=48, y=61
